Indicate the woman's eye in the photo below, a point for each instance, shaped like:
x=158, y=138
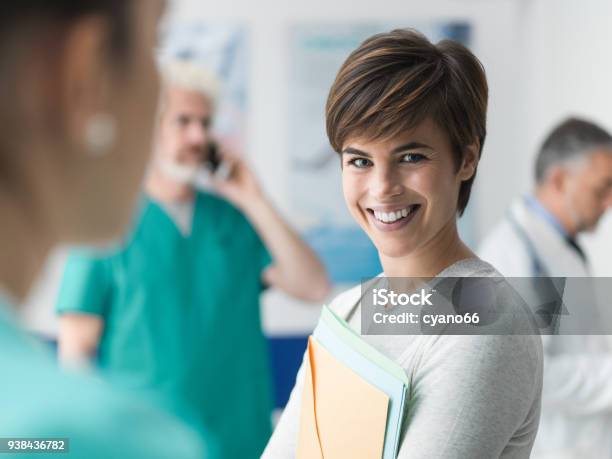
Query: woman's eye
x=360, y=162
x=413, y=158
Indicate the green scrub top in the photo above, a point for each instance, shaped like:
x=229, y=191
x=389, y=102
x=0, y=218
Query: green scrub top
x=38, y=400
x=182, y=319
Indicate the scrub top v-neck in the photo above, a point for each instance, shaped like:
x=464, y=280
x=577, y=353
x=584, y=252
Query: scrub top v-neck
x=182, y=319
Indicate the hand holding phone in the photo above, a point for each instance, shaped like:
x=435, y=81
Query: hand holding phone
x=232, y=178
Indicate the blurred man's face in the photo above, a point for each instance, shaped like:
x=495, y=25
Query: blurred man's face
x=185, y=127
x=589, y=189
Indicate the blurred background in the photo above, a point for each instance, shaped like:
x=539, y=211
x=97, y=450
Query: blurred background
x=545, y=60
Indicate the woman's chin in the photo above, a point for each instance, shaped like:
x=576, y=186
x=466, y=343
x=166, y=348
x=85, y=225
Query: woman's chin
x=394, y=250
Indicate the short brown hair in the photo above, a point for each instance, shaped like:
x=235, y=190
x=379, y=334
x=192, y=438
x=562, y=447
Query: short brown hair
x=396, y=80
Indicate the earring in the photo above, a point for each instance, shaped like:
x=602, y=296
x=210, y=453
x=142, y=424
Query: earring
x=100, y=134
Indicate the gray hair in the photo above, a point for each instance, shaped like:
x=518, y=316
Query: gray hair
x=572, y=140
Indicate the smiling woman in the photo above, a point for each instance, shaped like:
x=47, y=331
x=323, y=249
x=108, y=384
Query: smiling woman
x=410, y=138
x=393, y=82
x=404, y=193
x=409, y=120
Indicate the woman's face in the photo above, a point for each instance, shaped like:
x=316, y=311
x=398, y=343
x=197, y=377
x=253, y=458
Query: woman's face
x=403, y=192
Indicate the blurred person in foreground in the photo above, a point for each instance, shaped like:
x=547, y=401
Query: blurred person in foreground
x=79, y=89
x=537, y=237
x=174, y=310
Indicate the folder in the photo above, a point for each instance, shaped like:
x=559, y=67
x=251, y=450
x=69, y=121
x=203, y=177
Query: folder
x=342, y=414
x=344, y=331
x=372, y=372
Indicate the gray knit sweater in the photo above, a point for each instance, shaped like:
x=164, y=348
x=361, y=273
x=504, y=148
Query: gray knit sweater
x=471, y=397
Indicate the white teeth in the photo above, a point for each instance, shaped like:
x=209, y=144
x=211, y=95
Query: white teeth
x=390, y=217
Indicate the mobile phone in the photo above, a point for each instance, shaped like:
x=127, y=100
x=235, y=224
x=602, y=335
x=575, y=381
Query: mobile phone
x=212, y=158
x=220, y=169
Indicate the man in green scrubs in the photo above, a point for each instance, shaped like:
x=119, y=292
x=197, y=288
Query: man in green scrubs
x=173, y=311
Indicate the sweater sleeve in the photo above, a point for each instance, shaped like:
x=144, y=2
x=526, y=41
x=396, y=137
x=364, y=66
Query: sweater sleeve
x=475, y=396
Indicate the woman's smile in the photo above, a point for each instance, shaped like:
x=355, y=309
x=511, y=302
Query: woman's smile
x=392, y=219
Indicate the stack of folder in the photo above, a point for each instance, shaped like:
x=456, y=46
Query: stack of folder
x=353, y=399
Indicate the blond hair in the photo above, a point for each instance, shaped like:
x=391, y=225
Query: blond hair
x=187, y=74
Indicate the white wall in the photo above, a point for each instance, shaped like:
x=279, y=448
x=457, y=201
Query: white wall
x=495, y=41
x=570, y=72
x=544, y=59
x=269, y=20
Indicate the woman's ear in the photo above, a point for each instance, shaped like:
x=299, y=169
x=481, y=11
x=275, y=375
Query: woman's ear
x=470, y=161
x=85, y=74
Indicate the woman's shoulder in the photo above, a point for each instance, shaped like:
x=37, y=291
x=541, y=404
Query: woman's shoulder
x=470, y=267
x=345, y=300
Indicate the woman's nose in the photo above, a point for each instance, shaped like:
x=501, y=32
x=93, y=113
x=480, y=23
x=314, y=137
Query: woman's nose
x=386, y=183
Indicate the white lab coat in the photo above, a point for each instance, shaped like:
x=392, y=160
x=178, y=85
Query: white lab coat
x=576, y=420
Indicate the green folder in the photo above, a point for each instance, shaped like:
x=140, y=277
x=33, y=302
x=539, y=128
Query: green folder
x=347, y=334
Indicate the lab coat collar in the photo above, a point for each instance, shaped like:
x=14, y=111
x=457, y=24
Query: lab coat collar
x=538, y=208
x=557, y=256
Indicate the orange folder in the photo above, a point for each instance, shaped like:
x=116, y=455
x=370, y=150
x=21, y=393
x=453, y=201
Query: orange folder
x=343, y=416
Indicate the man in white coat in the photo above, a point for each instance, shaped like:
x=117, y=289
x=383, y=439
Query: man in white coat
x=537, y=237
